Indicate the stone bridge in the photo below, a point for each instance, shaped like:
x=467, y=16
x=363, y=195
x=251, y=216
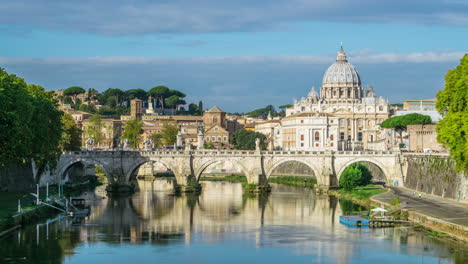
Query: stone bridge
x=257, y=166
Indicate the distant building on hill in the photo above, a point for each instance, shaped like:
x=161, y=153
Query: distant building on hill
x=423, y=107
x=111, y=130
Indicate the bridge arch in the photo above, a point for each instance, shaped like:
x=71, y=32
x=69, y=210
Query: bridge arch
x=280, y=162
x=209, y=163
x=85, y=161
x=366, y=161
x=142, y=161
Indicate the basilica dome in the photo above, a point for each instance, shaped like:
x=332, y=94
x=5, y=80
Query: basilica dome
x=341, y=73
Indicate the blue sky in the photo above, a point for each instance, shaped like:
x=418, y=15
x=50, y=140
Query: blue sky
x=239, y=55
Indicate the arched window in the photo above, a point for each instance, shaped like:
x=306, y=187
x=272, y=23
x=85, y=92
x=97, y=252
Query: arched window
x=213, y=138
x=219, y=139
x=207, y=138
x=317, y=136
x=359, y=136
x=225, y=138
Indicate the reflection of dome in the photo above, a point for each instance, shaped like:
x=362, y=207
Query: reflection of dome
x=341, y=72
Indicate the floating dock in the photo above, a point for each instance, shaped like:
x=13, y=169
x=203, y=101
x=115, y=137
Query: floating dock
x=358, y=221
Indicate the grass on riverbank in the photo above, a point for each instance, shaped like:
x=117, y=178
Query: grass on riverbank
x=228, y=178
x=360, y=195
x=294, y=181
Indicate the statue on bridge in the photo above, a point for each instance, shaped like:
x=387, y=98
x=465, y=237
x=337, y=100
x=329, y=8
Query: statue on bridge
x=257, y=144
x=188, y=143
x=89, y=143
x=147, y=144
x=126, y=144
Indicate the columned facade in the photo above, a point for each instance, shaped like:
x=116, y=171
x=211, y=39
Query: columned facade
x=358, y=112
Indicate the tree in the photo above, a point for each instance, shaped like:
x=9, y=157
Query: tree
x=452, y=130
x=245, y=139
x=73, y=92
x=208, y=145
x=193, y=109
x=200, y=107
x=136, y=93
x=71, y=134
x=283, y=107
x=172, y=101
x=16, y=110
x=169, y=133
x=160, y=93
x=132, y=132
x=355, y=175
x=46, y=125
x=94, y=128
x=92, y=94
x=157, y=139
x=263, y=112
x=400, y=123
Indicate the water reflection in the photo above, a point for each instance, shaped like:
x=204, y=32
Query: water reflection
x=221, y=224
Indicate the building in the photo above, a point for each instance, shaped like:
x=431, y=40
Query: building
x=218, y=129
x=423, y=138
x=136, y=109
x=423, y=107
x=272, y=129
x=355, y=112
x=111, y=131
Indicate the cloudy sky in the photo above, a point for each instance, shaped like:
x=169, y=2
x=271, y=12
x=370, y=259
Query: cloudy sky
x=241, y=54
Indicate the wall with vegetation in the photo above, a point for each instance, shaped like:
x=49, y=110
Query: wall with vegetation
x=16, y=178
x=435, y=175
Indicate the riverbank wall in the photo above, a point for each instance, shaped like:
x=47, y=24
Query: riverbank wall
x=21, y=177
x=435, y=175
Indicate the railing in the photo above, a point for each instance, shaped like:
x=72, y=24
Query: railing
x=237, y=153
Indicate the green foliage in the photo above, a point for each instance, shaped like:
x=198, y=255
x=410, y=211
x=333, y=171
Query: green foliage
x=94, y=128
x=245, y=139
x=228, y=178
x=285, y=106
x=294, y=181
x=157, y=139
x=401, y=122
x=87, y=108
x=136, y=93
x=71, y=134
x=355, y=175
x=30, y=124
x=200, y=107
x=132, y=132
x=169, y=133
x=452, y=130
x=160, y=93
x=208, y=145
x=263, y=112
x=395, y=201
x=73, y=92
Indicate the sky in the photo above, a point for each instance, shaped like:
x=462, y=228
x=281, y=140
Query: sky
x=239, y=55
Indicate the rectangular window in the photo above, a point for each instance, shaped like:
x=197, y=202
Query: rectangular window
x=342, y=136
x=302, y=137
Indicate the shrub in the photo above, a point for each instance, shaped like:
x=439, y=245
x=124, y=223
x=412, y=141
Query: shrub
x=355, y=175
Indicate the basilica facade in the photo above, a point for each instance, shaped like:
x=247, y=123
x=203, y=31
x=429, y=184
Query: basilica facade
x=344, y=116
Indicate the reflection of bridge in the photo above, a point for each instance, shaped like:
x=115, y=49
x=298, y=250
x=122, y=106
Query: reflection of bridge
x=257, y=166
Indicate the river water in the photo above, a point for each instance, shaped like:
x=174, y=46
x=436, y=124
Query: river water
x=221, y=225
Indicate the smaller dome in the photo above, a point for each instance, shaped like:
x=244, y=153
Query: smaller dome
x=341, y=72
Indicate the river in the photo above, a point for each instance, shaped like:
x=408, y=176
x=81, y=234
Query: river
x=221, y=225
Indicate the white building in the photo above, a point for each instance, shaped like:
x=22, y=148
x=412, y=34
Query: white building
x=344, y=116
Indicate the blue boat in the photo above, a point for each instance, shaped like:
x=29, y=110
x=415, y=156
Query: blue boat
x=354, y=220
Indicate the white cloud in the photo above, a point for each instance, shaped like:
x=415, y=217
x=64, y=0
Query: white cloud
x=123, y=17
x=361, y=57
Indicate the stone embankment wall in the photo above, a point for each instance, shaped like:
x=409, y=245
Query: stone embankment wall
x=16, y=178
x=436, y=175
